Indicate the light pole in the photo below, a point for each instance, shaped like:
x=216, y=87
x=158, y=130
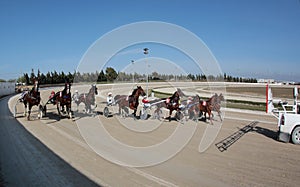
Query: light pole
x=132, y=62
x=146, y=52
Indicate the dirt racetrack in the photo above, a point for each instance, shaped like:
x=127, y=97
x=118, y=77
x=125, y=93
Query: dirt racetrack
x=52, y=152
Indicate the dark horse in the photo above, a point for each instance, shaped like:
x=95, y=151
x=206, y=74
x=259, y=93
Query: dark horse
x=131, y=101
x=31, y=98
x=63, y=98
x=87, y=98
x=171, y=103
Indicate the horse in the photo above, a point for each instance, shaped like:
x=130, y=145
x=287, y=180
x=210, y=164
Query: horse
x=131, y=101
x=31, y=98
x=216, y=103
x=171, y=103
x=205, y=106
x=87, y=98
x=212, y=104
x=63, y=98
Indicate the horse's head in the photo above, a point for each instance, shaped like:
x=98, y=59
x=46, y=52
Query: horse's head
x=221, y=97
x=176, y=94
x=140, y=91
x=196, y=98
x=67, y=87
x=180, y=92
x=36, y=85
x=94, y=89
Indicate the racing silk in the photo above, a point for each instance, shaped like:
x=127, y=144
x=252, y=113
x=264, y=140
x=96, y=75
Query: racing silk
x=109, y=100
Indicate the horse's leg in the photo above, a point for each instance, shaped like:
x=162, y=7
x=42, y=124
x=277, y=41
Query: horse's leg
x=134, y=113
x=29, y=111
x=170, y=113
x=25, y=108
x=58, y=108
x=210, y=116
x=156, y=113
x=90, y=107
x=219, y=113
x=69, y=111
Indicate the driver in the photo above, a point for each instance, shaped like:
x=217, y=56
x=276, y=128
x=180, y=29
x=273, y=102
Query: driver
x=75, y=96
x=110, y=99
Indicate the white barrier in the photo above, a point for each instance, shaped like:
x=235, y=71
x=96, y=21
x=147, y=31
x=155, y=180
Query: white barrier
x=7, y=88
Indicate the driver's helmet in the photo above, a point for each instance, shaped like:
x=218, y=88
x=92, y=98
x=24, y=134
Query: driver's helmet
x=109, y=94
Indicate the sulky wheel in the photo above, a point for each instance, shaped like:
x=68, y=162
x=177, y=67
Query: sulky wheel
x=143, y=114
x=106, y=111
x=179, y=116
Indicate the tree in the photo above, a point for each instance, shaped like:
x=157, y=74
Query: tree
x=190, y=76
x=101, y=77
x=111, y=74
x=43, y=79
x=32, y=76
x=48, y=78
x=26, y=79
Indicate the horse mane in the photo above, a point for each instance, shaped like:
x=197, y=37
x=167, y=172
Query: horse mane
x=92, y=89
x=174, y=94
x=135, y=90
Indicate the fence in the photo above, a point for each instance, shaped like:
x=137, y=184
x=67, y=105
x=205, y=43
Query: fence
x=7, y=88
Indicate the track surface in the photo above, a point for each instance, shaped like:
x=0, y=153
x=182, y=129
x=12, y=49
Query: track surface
x=51, y=152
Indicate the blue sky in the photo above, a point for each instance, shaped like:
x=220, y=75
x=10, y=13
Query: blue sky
x=249, y=38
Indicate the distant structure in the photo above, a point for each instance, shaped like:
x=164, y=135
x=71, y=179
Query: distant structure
x=270, y=81
x=7, y=88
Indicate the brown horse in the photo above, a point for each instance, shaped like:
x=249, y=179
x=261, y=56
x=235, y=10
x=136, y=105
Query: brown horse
x=87, y=98
x=131, y=101
x=206, y=108
x=216, y=103
x=61, y=99
x=31, y=98
x=171, y=103
x=212, y=104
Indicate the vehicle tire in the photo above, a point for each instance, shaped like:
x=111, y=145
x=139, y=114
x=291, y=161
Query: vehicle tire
x=45, y=111
x=179, y=116
x=106, y=111
x=296, y=135
x=40, y=111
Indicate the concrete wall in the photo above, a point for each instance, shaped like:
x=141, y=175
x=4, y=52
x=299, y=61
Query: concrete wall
x=7, y=88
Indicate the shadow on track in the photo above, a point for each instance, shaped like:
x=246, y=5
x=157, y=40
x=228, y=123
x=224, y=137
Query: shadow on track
x=26, y=161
